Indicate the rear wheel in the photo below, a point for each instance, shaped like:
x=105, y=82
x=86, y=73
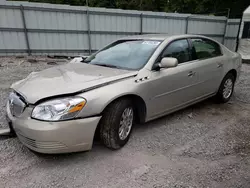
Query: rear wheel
x=226, y=88
x=117, y=123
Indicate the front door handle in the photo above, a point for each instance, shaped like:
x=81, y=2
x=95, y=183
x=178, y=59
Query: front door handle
x=191, y=73
x=219, y=65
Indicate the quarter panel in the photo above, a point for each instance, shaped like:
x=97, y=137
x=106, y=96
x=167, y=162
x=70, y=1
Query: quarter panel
x=232, y=60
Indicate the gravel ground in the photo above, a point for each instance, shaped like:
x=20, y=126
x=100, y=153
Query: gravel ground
x=206, y=145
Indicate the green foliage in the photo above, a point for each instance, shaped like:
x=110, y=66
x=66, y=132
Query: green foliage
x=215, y=7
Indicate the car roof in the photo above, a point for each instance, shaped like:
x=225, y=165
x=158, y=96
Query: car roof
x=161, y=36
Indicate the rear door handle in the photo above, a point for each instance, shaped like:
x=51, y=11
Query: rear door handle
x=219, y=65
x=191, y=73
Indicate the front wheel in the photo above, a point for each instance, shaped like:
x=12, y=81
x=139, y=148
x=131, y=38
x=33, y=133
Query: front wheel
x=226, y=88
x=116, y=124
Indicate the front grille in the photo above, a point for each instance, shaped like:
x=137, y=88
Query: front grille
x=16, y=104
x=40, y=144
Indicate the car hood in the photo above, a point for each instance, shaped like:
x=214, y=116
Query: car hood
x=67, y=79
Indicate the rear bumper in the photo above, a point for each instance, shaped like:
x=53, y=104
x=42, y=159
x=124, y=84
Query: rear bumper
x=54, y=137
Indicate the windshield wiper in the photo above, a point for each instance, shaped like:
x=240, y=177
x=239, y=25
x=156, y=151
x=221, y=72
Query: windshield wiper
x=107, y=65
x=84, y=60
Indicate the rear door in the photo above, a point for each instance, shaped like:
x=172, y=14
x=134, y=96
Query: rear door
x=208, y=58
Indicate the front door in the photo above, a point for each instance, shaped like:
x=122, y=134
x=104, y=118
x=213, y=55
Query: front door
x=173, y=87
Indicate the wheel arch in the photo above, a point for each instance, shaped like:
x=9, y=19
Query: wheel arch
x=233, y=72
x=138, y=104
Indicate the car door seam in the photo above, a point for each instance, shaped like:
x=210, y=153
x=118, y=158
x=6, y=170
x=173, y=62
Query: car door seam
x=170, y=92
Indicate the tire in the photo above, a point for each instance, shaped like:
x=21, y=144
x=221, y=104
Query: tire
x=110, y=124
x=222, y=96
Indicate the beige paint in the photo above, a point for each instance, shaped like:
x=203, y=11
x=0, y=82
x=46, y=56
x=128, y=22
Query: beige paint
x=163, y=92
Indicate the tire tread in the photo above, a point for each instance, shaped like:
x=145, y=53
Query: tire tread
x=219, y=95
x=110, y=118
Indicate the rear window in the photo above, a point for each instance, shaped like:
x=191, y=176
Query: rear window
x=205, y=48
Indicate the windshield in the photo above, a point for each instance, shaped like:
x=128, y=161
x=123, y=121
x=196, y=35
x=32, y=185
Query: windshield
x=125, y=54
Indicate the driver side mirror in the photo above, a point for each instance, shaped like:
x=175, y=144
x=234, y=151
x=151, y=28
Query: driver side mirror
x=166, y=62
x=84, y=57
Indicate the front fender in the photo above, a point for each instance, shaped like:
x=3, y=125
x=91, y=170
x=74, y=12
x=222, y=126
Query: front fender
x=98, y=99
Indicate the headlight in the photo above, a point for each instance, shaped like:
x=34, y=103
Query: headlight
x=59, y=109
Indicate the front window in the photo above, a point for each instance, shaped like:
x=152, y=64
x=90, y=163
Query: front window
x=178, y=49
x=125, y=54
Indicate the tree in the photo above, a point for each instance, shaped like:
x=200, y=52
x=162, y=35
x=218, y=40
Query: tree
x=216, y=7
x=150, y=5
